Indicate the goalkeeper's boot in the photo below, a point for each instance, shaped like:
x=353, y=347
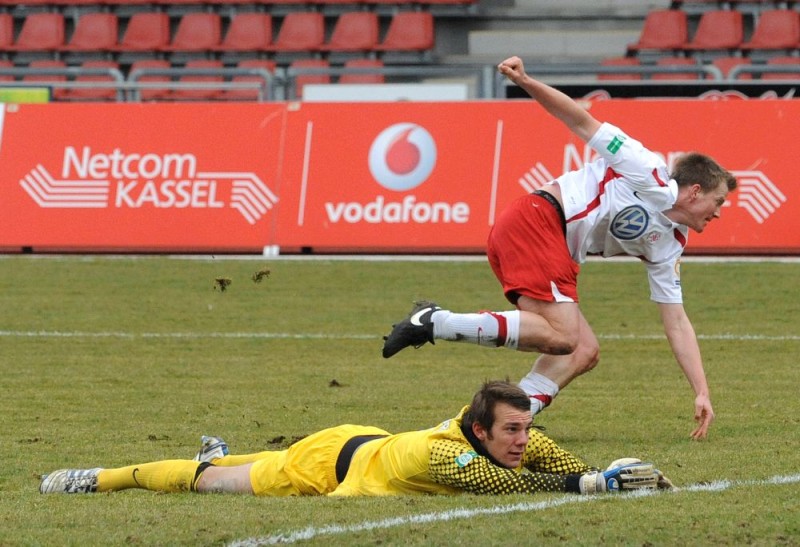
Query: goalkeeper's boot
x=212, y=448
x=70, y=481
x=414, y=330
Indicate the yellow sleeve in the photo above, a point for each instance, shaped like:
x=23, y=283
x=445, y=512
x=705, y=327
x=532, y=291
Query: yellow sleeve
x=543, y=455
x=455, y=464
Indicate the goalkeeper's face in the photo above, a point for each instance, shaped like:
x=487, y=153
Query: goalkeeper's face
x=508, y=436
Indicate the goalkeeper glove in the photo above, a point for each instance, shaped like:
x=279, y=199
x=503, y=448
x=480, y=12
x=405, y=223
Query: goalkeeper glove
x=622, y=474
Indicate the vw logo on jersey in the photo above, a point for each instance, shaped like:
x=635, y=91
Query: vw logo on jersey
x=630, y=223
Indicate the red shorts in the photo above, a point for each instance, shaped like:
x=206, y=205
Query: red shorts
x=528, y=252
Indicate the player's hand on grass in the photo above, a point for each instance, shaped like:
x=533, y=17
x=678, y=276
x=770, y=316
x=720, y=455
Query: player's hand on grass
x=703, y=415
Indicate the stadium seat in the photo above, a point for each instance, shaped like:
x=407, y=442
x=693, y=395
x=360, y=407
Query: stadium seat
x=409, y=31
x=302, y=80
x=6, y=31
x=146, y=31
x=619, y=76
x=726, y=64
x=93, y=93
x=776, y=29
x=199, y=94
x=152, y=94
x=718, y=29
x=663, y=30
x=248, y=31
x=300, y=31
x=41, y=31
x=354, y=31
x=676, y=61
x=363, y=77
x=248, y=94
x=5, y=63
x=47, y=79
x=94, y=32
x=196, y=31
x=782, y=60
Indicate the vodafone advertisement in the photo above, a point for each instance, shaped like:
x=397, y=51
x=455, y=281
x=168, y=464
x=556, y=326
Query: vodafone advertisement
x=367, y=177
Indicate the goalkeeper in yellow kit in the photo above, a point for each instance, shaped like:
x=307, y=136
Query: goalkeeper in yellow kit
x=489, y=448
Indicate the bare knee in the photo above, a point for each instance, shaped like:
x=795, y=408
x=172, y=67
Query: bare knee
x=230, y=480
x=586, y=358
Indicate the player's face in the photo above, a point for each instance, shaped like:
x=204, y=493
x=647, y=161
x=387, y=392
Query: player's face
x=508, y=437
x=703, y=207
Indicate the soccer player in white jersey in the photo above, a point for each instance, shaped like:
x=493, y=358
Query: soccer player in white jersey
x=623, y=203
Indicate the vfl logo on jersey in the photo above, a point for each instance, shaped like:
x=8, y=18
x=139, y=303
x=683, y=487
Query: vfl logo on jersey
x=616, y=143
x=630, y=223
x=463, y=460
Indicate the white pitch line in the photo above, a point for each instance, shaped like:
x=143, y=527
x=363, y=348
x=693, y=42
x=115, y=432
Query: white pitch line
x=464, y=513
x=330, y=336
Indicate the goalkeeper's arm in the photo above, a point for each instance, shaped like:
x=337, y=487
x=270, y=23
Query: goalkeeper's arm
x=624, y=474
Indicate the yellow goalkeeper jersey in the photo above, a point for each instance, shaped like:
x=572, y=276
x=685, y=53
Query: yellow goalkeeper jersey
x=441, y=460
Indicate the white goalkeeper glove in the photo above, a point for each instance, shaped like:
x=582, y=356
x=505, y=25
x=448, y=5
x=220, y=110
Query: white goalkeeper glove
x=624, y=474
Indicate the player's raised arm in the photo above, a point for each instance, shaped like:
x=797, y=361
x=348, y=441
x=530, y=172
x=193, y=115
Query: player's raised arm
x=579, y=121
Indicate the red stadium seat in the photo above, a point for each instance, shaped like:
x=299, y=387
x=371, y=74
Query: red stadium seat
x=248, y=31
x=152, y=94
x=619, y=61
x=40, y=32
x=146, y=31
x=363, y=77
x=6, y=31
x=197, y=31
x=354, y=31
x=93, y=93
x=676, y=61
x=47, y=79
x=783, y=60
x=94, y=32
x=300, y=31
x=409, y=31
x=726, y=64
x=776, y=29
x=663, y=30
x=5, y=63
x=248, y=94
x=302, y=80
x=199, y=94
x=718, y=29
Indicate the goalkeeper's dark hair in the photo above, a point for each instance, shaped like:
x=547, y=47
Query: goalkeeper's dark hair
x=695, y=168
x=481, y=409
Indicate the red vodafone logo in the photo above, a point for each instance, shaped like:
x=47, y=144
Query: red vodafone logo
x=402, y=156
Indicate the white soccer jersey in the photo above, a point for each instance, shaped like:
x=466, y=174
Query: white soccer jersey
x=614, y=204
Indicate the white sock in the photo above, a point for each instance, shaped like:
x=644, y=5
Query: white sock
x=492, y=329
x=540, y=389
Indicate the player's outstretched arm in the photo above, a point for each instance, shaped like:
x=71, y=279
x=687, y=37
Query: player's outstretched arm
x=579, y=121
x=683, y=341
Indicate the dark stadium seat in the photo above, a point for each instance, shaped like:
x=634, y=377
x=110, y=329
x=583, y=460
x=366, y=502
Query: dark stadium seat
x=45, y=79
x=354, y=31
x=93, y=93
x=676, y=61
x=776, y=29
x=94, y=32
x=782, y=60
x=199, y=94
x=718, y=29
x=154, y=93
x=146, y=31
x=300, y=31
x=248, y=94
x=302, y=80
x=663, y=30
x=196, y=31
x=409, y=31
x=619, y=76
x=248, y=31
x=363, y=77
x=41, y=31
